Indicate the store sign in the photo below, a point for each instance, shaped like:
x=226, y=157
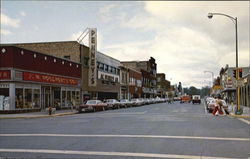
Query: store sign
x=5, y=74
x=27, y=76
x=92, y=56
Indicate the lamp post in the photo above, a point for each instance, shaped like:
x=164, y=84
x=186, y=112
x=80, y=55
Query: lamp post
x=234, y=20
x=212, y=76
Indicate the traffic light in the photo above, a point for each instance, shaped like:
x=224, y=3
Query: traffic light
x=240, y=73
x=234, y=73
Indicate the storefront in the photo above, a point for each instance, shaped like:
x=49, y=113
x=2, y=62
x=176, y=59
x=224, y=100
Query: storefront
x=30, y=86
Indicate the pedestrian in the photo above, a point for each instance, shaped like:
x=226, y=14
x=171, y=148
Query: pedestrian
x=218, y=108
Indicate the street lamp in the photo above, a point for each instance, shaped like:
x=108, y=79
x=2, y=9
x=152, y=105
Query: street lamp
x=212, y=76
x=234, y=20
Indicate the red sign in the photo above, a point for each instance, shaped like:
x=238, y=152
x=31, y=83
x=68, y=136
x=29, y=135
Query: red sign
x=48, y=78
x=5, y=74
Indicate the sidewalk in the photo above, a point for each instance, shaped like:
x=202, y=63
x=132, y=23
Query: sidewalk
x=42, y=114
x=245, y=114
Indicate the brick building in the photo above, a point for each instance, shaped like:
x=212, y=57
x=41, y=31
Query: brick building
x=106, y=68
x=163, y=85
x=135, y=83
x=33, y=80
x=148, y=70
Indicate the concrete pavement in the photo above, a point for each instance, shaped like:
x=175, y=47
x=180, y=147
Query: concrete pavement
x=152, y=131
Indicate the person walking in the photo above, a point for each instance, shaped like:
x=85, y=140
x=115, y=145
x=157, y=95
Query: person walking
x=218, y=108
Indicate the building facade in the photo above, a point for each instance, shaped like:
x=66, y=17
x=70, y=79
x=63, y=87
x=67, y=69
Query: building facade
x=148, y=70
x=33, y=80
x=106, y=68
x=135, y=83
x=163, y=86
x=228, y=82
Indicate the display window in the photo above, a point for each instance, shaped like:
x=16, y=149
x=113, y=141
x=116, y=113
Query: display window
x=36, y=98
x=28, y=98
x=57, y=97
x=19, y=98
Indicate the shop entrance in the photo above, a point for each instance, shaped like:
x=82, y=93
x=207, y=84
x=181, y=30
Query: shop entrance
x=46, y=97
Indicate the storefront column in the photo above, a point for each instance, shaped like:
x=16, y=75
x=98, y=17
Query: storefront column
x=12, y=94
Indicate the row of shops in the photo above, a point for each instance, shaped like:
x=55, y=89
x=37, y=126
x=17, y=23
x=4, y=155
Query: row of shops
x=33, y=78
x=226, y=86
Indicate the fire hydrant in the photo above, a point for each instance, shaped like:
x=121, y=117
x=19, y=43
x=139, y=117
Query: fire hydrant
x=50, y=110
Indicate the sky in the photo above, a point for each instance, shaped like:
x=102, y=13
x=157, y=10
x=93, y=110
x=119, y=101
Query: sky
x=181, y=38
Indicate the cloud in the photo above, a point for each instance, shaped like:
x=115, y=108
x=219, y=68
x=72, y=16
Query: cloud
x=22, y=13
x=7, y=21
x=5, y=32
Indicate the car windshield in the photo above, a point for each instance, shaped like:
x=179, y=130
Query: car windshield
x=91, y=102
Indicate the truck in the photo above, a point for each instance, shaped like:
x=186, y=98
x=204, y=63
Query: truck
x=185, y=99
x=196, y=99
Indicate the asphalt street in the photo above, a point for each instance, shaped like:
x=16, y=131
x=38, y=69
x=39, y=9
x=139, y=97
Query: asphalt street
x=151, y=131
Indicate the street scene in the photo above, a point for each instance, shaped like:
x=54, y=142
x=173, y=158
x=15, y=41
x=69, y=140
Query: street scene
x=114, y=79
x=158, y=130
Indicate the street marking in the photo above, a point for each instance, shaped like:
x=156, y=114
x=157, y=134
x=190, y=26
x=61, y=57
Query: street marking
x=244, y=120
x=127, y=113
x=125, y=136
x=101, y=153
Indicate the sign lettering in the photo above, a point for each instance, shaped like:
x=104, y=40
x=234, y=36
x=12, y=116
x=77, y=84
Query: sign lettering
x=92, y=56
x=5, y=74
x=27, y=76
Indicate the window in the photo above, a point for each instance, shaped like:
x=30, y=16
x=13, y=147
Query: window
x=19, y=98
x=27, y=98
x=36, y=98
x=106, y=67
x=101, y=66
x=67, y=57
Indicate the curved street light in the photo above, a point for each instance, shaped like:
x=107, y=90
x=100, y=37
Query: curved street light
x=210, y=16
x=212, y=76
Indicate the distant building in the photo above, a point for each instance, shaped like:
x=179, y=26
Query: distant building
x=135, y=84
x=148, y=70
x=163, y=86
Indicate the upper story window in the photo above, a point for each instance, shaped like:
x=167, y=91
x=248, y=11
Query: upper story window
x=67, y=57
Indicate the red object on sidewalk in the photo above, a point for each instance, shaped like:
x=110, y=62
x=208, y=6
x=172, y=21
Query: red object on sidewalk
x=217, y=109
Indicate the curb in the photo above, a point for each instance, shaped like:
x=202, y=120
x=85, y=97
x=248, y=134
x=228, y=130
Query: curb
x=38, y=116
x=239, y=116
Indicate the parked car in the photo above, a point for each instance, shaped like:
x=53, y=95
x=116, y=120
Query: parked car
x=113, y=103
x=196, y=99
x=125, y=103
x=212, y=103
x=136, y=102
x=92, y=105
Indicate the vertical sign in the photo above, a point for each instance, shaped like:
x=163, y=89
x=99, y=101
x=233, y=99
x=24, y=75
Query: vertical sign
x=92, y=56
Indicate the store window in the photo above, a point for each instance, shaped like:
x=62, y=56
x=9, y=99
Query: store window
x=27, y=98
x=57, y=97
x=68, y=101
x=19, y=98
x=77, y=97
x=73, y=100
x=4, y=92
x=64, y=98
x=36, y=98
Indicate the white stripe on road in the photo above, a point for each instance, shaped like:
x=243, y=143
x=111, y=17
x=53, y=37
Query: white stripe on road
x=244, y=120
x=127, y=113
x=125, y=136
x=100, y=153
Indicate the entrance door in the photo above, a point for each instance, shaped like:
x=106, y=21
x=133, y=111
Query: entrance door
x=46, y=97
